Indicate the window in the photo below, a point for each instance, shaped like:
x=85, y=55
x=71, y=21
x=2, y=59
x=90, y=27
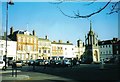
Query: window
x=54, y=48
x=109, y=46
x=39, y=51
x=23, y=47
x=106, y=46
x=72, y=49
x=103, y=46
x=35, y=48
x=27, y=40
x=23, y=39
x=96, y=44
x=19, y=47
x=48, y=51
x=1, y=45
x=116, y=47
x=106, y=52
x=19, y=39
x=34, y=40
x=58, y=48
x=101, y=52
x=1, y=52
x=65, y=48
x=31, y=40
x=44, y=51
x=109, y=52
x=117, y=52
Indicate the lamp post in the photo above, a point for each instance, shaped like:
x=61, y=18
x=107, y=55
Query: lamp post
x=8, y=3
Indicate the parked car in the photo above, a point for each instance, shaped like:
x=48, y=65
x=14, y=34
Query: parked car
x=19, y=64
x=47, y=62
x=31, y=62
x=66, y=62
x=52, y=62
x=24, y=62
x=2, y=65
x=39, y=62
x=58, y=62
x=55, y=62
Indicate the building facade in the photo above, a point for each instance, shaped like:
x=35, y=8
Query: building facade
x=116, y=48
x=27, y=44
x=44, y=48
x=109, y=48
x=61, y=50
x=11, y=49
x=79, y=49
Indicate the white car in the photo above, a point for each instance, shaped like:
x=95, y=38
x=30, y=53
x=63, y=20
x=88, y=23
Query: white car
x=19, y=64
x=2, y=65
x=67, y=62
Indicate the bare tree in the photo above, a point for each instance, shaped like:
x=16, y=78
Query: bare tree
x=114, y=9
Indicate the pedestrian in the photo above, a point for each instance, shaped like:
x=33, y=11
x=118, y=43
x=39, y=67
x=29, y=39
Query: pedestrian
x=14, y=69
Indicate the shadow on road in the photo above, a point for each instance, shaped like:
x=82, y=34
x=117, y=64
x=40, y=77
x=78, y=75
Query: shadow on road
x=79, y=73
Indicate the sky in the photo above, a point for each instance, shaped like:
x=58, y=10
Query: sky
x=46, y=19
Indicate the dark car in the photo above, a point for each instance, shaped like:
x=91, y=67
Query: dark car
x=55, y=62
x=39, y=62
x=31, y=62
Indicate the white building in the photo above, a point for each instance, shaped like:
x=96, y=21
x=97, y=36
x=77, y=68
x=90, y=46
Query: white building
x=79, y=49
x=62, y=50
x=11, y=49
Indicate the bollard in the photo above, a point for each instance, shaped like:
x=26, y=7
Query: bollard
x=16, y=71
x=102, y=64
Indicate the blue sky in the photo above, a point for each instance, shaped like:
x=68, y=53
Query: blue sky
x=46, y=19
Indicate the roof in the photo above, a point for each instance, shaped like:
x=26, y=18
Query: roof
x=117, y=43
x=43, y=39
x=62, y=43
x=105, y=42
x=21, y=32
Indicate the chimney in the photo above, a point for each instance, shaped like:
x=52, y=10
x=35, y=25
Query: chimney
x=78, y=43
x=11, y=30
x=60, y=41
x=46, y=37
x=54, y=41
x=34, y=34
x=68, y=41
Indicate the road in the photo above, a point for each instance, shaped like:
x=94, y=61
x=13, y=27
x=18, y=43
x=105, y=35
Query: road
x=79, y=73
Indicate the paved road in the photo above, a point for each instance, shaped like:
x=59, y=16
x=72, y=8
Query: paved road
x=70, y=74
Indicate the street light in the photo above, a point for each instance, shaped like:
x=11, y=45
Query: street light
x=8, y=3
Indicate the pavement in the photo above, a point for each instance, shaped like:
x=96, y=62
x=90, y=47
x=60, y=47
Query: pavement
x=35, y=76
x=19, y=77
x=10, y=77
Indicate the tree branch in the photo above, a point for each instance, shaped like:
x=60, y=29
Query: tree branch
x=90, y=3
x=115, y=8
x=77, y=15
